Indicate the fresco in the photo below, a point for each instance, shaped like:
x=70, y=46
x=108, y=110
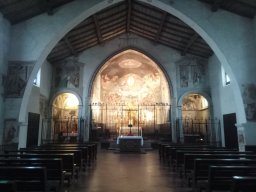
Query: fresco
x=67, y=75
x=249, y=99
x=125, y=82
x=191, y=71
x=17, y=77
x=132, y=79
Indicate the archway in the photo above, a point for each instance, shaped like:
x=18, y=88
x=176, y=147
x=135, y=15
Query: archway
x=187, y=15
x=130, y=92
x=64, y=121
x=197, y=125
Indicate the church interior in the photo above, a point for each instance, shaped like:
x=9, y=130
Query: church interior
x=136, y=89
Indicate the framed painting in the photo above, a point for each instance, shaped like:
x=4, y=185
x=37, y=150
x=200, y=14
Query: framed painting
x=11, y=131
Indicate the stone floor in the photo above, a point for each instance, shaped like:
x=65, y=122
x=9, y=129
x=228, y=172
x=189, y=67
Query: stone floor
x=115, y=172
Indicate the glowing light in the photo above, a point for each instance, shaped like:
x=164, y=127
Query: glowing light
x=130, y=81
x=204, y=103
x=149, y=115
x=71, y=101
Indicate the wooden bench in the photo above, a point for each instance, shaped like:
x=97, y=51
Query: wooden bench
x=179, y=160
x=189, y=158
x=54, y=169
x=8, y=186
x=67, y=161
x=92, y=147
x=201, y=166
x=26, y=178
x=220, y=177
x=243, y=183
x=77, y=155
x=84, y=152
x=170, y=151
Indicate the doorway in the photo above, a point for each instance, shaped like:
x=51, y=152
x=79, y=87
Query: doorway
x=230, y=130
x=33, y=129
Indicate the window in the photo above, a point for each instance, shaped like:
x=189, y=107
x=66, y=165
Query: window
x=36, y=81
x=227, y=79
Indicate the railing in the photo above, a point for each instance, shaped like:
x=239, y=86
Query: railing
x=62, y=130
x=199, y=130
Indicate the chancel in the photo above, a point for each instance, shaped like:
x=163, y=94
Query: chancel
x=126, y=83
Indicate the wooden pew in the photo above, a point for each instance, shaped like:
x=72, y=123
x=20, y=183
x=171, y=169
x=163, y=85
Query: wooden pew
x=77, y=155
x=170, y=151
x=91, y=146
x=179, y=160
x=54, y=169
x=201, y=166
x=67, y=161
x=189, y=158
x=243, y=183
x=8, y=186
x=220, y=177
x=26, y=178
x=175, y=152
x=85, y=152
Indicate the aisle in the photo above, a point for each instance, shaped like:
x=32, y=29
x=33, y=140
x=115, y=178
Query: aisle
x=128, y=173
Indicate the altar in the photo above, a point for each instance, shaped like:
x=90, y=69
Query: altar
x=130, y=139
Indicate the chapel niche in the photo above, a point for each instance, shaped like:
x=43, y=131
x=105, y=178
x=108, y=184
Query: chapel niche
x=65, y=117
x=195, y=116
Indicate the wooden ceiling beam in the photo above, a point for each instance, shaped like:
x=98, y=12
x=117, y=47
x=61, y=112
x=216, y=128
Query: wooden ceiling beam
x=216, y=5
x=129, y=13
x=69, y=46
x=160, y=28
x=49, y=7
x=97, y=27
x=190, y=43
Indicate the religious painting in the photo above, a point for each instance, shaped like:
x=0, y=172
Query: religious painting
x=11, y=131
x=184, y=75
x=197, y=73
x=249, y=98
x=67, y=76
x=17, y=77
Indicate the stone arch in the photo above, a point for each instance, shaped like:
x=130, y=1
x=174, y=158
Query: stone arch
x=149, y=69
x=213, y=131
x=59, y=114
x=206, y=96
x=66, y=91
x=171, y=8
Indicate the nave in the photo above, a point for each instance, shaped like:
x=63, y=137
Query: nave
x=129, y=172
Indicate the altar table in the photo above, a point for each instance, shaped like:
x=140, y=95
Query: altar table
x=130, y=143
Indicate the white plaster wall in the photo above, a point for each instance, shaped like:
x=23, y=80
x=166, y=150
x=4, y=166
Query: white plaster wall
x=34, y=100
x=46, y=79
x=222, y=96
x=250, y=133
x=4, y=48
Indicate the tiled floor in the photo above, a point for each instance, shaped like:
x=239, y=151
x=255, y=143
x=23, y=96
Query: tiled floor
x=114, y=172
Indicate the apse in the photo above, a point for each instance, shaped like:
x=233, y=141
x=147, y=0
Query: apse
x=130, y=88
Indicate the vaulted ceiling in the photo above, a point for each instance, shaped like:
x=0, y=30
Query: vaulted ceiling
x=128, y=16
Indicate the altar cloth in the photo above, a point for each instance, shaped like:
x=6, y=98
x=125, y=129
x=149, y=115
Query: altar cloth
x=128, y=138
